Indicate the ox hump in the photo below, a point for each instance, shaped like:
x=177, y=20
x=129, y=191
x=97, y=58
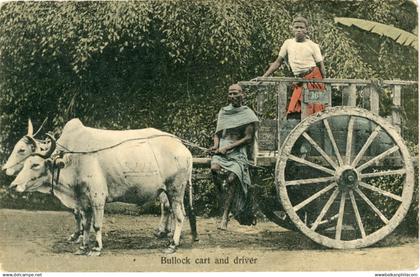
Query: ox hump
x=74, y=123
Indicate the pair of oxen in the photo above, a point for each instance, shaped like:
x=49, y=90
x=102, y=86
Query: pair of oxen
x=87, y=167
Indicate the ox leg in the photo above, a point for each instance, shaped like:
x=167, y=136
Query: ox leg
x=228, y=200
x=98, y=217
x=190, y=212
x=77, y=236
x=163, y=228
x=86, y=219
x=216, y=171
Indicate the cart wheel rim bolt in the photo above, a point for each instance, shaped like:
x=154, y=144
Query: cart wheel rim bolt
x=347, y=178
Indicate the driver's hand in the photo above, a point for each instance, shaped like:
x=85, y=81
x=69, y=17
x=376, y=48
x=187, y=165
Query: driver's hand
x=212, y=149
x=222, y=150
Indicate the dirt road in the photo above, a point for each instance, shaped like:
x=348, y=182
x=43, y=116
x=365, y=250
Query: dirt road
x=36, y=241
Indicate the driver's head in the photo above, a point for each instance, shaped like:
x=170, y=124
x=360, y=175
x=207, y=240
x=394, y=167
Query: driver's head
x=235, y=95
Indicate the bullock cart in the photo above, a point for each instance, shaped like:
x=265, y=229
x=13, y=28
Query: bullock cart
x=344, y=177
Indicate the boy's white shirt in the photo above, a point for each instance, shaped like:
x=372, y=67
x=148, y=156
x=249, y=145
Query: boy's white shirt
x=301, y=55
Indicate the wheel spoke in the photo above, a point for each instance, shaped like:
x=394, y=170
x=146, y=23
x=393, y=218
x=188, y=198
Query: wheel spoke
x=383, y=173
x=311, y=164
x=330, y=135
x=378, y=158
x=313, y=197
x=349, y=140
x=357, y=214
x=339, y=227
x=328, y=220
x=309, y=181
x=319, y=149
x=325, y=209
x=366, y=146
x=378, y=190
x=373, y=207
x=341, y=203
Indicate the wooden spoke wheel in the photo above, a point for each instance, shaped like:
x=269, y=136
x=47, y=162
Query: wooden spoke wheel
x=345, y=177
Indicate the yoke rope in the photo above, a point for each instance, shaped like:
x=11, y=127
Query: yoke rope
x=69, y=151
x=134, y=139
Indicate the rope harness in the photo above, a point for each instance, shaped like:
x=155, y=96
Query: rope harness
x=18, y=162
x=128, y=140
x=56, y=169
x=68, y=151
x=57, y=176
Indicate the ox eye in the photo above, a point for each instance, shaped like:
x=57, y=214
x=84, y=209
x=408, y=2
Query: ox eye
x=21, y=150
x=35, y=166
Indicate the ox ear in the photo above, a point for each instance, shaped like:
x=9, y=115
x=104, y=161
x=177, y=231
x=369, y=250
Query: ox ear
x=52, y=147
x=59, y=162
x=30, y=128
x=30, y=140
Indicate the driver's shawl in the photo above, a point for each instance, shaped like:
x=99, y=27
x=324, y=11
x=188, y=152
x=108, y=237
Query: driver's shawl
x=232, y=117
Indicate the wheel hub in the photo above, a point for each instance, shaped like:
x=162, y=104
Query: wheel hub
x=347, y=178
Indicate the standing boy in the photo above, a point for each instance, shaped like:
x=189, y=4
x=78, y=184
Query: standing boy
x=305, y=59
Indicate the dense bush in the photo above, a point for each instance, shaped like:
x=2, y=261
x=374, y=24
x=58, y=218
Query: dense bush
x=167, y=64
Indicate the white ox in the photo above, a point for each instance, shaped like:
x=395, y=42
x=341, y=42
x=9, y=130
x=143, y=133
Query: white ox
x=24, y=148
x=91, y=167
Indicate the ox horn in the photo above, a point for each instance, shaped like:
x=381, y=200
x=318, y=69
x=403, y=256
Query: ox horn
x=32, y=141
x=42, y=125
x=50, y=150
x=30, y=128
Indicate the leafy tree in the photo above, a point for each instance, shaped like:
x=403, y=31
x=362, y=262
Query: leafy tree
x=399, y=35
x=167, y=64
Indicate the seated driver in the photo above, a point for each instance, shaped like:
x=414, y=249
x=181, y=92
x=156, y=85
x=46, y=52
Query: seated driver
x=235, y=131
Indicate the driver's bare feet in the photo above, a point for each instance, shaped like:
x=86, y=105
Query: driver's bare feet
x=223, y=225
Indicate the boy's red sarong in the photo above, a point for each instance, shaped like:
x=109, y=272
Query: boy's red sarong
x=296, y=99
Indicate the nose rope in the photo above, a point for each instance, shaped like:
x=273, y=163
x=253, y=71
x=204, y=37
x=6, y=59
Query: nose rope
x=23, y=159
x=69, y=151
x=20, y=161
x=52, y=176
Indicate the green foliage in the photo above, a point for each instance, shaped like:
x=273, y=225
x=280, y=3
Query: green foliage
x=30, y=201
x=399, y=35
x=167, y=64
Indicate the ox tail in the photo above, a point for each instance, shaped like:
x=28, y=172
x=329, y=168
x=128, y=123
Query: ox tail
x=190, y=208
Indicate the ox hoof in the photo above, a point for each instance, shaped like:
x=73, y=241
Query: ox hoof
x=170, y=250
x=195, y=238
x=222, y=227
x=78, y=240
x=94, y=253
x=75, y=238
x=160, y=234
x=81, y=251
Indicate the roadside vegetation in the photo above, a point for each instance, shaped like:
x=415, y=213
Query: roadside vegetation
x=167, y=64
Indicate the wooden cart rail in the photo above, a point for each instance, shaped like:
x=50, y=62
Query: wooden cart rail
x=354, y=92
x=273, y=131
x=344, y=177
x=329, y=81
